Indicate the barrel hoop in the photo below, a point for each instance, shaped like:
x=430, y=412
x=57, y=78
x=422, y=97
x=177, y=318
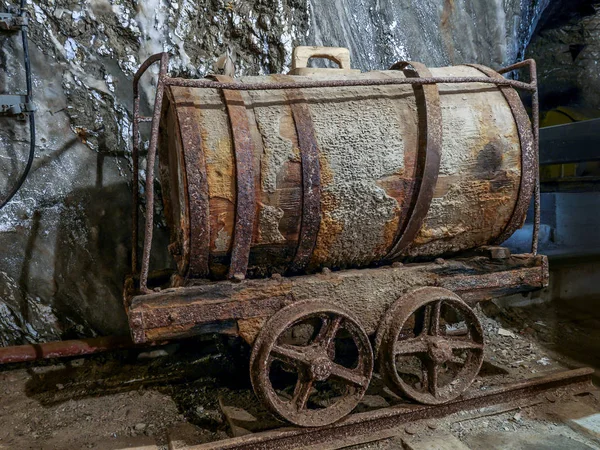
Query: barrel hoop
x=428, y=162
x=246, y=203
x=311, y=176
x=197, y=194
x=528, y=156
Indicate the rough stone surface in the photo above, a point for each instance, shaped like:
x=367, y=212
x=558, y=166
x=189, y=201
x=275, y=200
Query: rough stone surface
x=64, y=238
x=567, y=50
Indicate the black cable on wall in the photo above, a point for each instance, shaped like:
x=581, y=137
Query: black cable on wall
x=25, y=173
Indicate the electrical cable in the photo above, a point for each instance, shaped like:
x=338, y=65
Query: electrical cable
x=25, y=173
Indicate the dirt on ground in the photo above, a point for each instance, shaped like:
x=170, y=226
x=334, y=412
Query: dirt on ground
x=143, y=398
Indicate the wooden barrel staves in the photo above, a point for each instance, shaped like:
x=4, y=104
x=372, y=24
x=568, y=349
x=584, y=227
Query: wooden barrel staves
x=291, y=181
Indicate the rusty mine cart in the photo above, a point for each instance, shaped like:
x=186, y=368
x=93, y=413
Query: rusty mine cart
x=309, y=214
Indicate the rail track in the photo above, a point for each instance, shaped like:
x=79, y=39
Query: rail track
x=361, y=428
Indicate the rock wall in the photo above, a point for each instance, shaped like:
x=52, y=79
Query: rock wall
x=65, y=237
x=568, y=50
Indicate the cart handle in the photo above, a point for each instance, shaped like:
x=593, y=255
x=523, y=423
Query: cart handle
x=151, y=157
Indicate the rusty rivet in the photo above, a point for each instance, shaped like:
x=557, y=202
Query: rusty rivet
x=136, y=320
x=411, y=428
x=432, y=425
x=238, y=277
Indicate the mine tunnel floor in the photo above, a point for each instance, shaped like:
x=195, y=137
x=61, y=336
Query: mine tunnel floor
x=198, y=391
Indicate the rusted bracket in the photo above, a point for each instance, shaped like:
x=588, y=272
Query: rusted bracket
x=311, y=176
x=16, y=104
x=430, y=142
x=12, y=22
x=244, y=162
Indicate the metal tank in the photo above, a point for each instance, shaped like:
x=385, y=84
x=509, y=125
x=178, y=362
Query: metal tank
x=367, y=170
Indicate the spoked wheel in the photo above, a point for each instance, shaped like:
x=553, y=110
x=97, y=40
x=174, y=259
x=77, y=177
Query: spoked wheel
x=430, y=346
x=311, y=363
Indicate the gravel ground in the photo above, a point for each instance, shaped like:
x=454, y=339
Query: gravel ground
x=134, y=398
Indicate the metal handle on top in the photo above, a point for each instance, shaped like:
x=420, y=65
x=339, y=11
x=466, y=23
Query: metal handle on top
x=339, y=55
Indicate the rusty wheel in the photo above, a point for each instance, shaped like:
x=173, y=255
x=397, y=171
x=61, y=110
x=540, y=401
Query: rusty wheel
x=430, y=346
x=311, y=363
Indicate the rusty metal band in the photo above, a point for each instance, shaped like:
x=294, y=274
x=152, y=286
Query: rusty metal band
x=196, y=181
x=184, y=82
x=244, y=162
x=430, y=143
x=528, y=155
x=311, y=176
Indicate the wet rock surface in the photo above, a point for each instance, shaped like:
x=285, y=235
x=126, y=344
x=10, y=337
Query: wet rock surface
x=65, y=236
x=567, y=49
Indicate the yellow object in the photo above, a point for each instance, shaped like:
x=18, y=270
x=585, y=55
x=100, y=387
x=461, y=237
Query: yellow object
x=561, y=116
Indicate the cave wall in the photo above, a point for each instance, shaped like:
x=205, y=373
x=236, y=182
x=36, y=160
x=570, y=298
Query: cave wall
x=567, y=49
x=65, y=237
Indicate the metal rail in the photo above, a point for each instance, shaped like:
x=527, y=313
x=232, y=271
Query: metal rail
x=360, y=424
x=164, y=81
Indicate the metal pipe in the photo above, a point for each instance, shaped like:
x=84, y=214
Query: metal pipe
x=62, y=349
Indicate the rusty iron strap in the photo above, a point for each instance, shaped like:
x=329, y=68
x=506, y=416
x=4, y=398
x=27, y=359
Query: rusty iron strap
x=340, y=83
x=244, y=161
x=311, y=176
x=528, y=155
x=197, y=194
x=430, y=142
x=150, y=159
x=535, y=119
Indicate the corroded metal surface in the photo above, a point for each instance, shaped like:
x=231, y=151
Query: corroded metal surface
x=245, y=202
x=62, y=349
x=311, y=177
x=279, y=209
x=177, y=312
x=150, y=159
x=313, y=362
x=248, y=229
x=416, y=327
x=567, y=382
x=340, y=83
x=135, y=156
x=528, y=155
x=430, y=143
x=196, y=182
